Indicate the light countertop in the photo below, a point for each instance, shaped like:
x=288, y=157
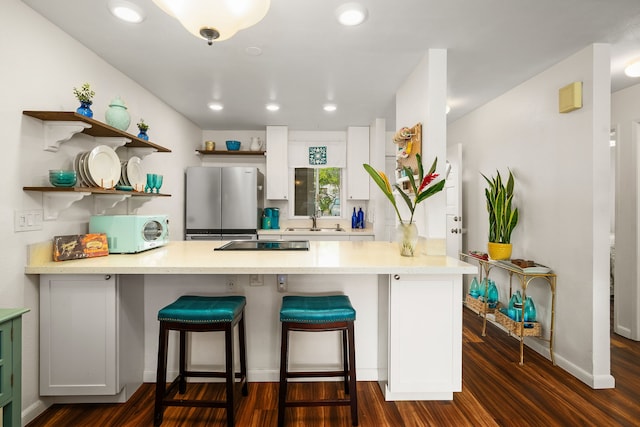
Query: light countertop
x=199, y=257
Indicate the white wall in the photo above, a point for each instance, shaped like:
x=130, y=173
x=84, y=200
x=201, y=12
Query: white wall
x=625, y=119
x=561, y=166
x=422, y=99
x=40, y=66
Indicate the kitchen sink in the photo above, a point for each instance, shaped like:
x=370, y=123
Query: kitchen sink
x=315, y=230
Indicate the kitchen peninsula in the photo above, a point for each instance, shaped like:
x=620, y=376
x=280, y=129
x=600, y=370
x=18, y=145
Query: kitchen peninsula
x=408, y=327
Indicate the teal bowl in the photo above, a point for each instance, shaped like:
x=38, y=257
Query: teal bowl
x=233, y=145
x=62, y=178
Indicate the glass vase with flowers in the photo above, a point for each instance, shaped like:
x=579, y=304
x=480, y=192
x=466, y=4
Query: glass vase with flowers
x=420, y=190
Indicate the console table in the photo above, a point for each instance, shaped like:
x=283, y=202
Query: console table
x=11, y=365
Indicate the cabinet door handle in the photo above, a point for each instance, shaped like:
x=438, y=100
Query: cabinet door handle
x=107, y=276
x=396, y=277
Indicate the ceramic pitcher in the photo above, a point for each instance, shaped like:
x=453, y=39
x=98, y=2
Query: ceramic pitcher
x=256, y=144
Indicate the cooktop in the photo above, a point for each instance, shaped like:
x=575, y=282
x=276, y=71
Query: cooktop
x=262, y=245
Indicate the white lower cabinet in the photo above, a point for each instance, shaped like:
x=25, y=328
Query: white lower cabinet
x=316, y=236
x=91, y=336
x=354, y=237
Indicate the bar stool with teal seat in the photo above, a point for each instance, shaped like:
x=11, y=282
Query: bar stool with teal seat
x=192, y=313
x=319, y=314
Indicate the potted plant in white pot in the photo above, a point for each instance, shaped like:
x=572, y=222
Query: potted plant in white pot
x=503, y=218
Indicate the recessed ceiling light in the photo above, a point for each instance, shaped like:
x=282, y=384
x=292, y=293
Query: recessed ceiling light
x=126, y=11
x=272, y=106
x=216, y=106
x=253, y=51
x=330, y=107
x=633, y=69
x=351, y=14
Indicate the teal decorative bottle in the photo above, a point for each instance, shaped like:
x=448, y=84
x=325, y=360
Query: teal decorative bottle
x=492, y=294
x=474, y=289
x=482, y=290
x=529, y=310
x=117, y=115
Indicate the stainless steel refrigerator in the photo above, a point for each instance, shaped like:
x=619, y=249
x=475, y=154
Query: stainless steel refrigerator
x=222, y=203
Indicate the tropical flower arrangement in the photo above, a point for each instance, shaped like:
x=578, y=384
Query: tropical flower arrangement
x=422, y=189
x=84, y=94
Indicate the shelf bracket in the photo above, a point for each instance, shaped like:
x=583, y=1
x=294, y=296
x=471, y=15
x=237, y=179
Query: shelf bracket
x=112, y=141
x=133, y=203
x=54, y=202
x=55, y=133
x=102, y=202
x=140, y=152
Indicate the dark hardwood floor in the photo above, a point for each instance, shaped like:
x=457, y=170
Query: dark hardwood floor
x=496, y=391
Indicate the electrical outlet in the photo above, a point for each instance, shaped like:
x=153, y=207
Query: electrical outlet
x=231, y=283
x=27, y=220
x=282, y=282
x=255, y=280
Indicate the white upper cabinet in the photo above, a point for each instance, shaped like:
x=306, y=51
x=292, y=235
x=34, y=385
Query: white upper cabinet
x=357, y=154
x=277, y=163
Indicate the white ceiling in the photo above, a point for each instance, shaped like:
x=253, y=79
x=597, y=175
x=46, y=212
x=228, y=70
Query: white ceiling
x=308, y=59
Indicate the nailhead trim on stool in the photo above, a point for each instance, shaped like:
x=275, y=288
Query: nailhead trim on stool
x=318, y=314
x=192, y=313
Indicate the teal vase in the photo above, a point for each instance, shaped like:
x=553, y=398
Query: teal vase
x=474, y=289
x=117, y=115
x=492, y=294
x=482, y=289
x=529, y=310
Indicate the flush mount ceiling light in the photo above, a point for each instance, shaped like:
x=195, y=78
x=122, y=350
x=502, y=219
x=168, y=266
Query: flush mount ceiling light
x=633, y=69
x=351, y=14
x=216, y=106
x=215, y=19
x=329, y=107
x=272, y=106
x=126, y=11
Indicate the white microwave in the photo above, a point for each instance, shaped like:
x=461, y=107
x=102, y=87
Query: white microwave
x=128, y=234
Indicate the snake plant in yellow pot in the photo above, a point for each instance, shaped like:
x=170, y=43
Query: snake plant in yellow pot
x=503, y=218
x=422, y=189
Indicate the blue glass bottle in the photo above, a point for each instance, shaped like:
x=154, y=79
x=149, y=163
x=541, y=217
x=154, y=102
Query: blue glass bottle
x=474, y=289
x=529, y=310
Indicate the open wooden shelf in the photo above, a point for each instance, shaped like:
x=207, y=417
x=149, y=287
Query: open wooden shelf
x=94, y=190
x=231, y=153
x=96, y=128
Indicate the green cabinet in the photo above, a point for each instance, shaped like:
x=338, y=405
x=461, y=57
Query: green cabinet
x=11, y=365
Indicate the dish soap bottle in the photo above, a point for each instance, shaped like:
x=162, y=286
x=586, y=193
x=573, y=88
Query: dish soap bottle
x=354, y=219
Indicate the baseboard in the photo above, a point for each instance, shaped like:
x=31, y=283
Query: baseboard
x=32, y=411
x=593, y=381
x=268, y=376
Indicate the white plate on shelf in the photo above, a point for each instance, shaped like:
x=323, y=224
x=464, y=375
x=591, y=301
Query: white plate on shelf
x=135, y=174
x=104, y=166
x=77, y=168
x=84, y=170
x=123, y=173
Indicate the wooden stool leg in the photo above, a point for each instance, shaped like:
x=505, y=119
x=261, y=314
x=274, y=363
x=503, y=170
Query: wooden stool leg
x=352, y=376
x=230, y=373
x=182, y=383
x=243, y=356
x=161, y=375
x=345, y=360
x=282, y=392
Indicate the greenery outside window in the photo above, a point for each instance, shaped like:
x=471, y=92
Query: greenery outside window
x=317, y=191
